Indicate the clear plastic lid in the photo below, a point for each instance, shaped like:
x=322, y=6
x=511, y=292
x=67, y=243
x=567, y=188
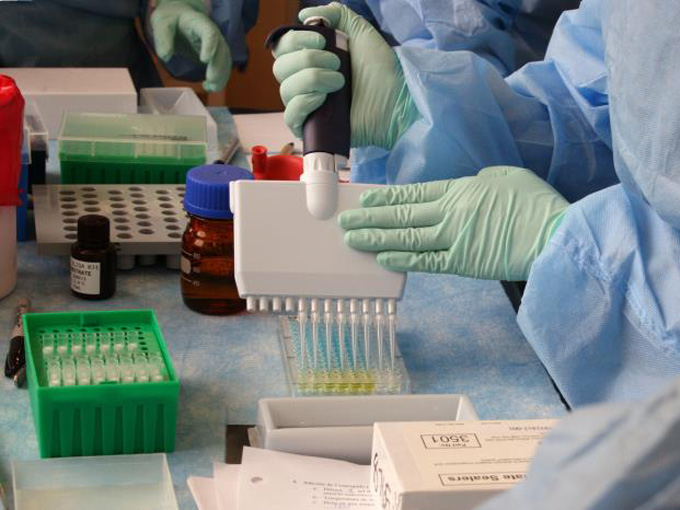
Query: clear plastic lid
x=33, y=121
x=178, y=101
x=125, y=137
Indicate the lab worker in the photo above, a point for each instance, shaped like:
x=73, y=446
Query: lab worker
x=600, y=307
x=196, y=40
x=506, y=33
x=606, y=457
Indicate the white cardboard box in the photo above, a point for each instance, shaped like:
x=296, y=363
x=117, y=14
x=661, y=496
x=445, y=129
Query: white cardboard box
x=450, y=465
x=58, y=90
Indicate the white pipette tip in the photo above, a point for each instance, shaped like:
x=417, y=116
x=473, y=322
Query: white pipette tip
x=250, y=304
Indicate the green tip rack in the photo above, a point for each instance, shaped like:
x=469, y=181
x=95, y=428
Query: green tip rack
x=100, y=383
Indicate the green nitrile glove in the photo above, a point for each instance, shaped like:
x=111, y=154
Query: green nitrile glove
x=492, y=225
x=382, y=108
x=184, y=26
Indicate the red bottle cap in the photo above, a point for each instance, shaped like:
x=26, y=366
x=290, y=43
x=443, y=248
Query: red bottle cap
x=11, y=131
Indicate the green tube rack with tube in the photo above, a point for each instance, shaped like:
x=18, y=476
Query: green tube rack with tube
x=100, y=383
x=105, y=148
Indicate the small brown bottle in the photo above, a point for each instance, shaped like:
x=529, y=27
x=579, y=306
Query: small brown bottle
x=93, y=259
x=208, y=284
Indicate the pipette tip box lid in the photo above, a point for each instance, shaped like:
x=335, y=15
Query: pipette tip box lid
x=111, y=417
x=455, y=465
x=101, y=148
x=117, y=482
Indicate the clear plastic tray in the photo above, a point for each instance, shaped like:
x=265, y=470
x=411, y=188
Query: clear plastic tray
x=124, y=482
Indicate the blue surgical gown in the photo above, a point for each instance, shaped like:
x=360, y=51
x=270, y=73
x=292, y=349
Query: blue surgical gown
x=602, y=304
x=606, y=457
x=89, y=33
x=507, y=33
x=549, y=116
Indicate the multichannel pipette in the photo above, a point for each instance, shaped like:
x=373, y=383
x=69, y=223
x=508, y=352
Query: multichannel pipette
x=289, y=251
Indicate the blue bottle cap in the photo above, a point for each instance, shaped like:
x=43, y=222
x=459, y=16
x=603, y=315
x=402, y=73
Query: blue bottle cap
x=207, y=191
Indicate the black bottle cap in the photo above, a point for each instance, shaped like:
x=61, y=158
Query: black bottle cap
x=93, y=229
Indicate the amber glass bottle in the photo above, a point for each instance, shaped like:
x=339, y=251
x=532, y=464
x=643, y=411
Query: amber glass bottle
x=208, y=284
x=93, y=259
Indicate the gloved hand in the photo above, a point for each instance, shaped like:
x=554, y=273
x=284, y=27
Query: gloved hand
x=184, y=26
x=492, y=225
x=382, y=108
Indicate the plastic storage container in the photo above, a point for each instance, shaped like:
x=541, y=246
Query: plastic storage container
x=75, y=415
x=122, y=482
x=11, y=115
x=130, y=149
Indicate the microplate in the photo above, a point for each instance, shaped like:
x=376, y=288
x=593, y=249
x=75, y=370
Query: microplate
x=368, y=374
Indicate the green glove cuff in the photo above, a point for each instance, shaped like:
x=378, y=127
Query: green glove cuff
x=404, y=113
x=555, y=225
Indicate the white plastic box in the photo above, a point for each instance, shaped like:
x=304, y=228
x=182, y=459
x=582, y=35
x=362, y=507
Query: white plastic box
x=59, y=90
x=450, y=465
x=342, y=427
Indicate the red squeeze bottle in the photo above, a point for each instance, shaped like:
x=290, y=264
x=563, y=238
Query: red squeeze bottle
x=11, y=128
x=282, y=167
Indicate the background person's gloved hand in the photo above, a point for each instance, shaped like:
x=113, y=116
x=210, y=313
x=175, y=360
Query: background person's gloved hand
x=183, y=26
x=492, y=225
x=382, y=108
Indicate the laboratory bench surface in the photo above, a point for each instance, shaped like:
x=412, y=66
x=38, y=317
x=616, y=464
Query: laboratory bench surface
x=456, y=335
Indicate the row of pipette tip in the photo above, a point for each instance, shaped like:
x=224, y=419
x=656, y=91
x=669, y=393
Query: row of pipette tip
x=110, y=368
x=291, y=305
x=361, y=315
x=75, y=343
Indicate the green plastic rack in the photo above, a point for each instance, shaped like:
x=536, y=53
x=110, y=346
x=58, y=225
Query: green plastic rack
x=111, y=415
x=100, y=148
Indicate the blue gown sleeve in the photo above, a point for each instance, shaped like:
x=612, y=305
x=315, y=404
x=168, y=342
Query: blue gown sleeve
x=550, y=116
x=600, y=306
x=612, y=456
x=481, y=26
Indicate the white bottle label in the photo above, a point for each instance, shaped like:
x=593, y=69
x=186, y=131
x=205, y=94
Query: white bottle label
x=85, y=276
x=185, y=265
